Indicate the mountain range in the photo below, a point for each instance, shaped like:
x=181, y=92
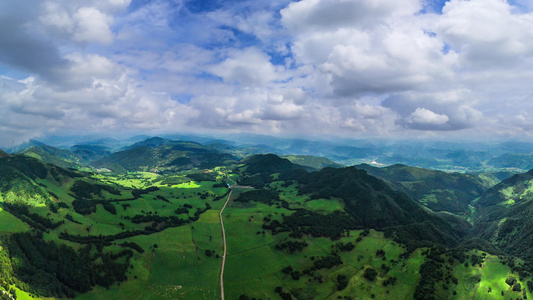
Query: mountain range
x=116, y=213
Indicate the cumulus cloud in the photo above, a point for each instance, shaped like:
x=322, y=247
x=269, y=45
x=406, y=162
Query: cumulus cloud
x=486, y=33
x=435, y=111
x=92, y=26
x=248, y=67
x=366, y=46
x=86, y=24
x=341, y=67
x=425, y=117
x=318, y=15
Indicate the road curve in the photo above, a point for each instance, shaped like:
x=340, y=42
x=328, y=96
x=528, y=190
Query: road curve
x=7, y=294
x=224, y=254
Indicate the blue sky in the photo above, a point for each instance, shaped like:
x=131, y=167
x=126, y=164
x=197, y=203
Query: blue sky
x=346, y=68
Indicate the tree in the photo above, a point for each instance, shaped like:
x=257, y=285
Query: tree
x=370, y=274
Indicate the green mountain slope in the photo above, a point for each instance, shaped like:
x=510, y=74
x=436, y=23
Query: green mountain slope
x=504, y=215
x=437, y=190
x=312, y=161
x=158, y=154
x=19, y=176
x=370, y=202
x=59, y=157
x=374, y=204
x=337, y=233
x=269, y=164
x=90, y=152
x=523, y=161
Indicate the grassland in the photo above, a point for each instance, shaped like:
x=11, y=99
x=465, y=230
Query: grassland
x=183, y=262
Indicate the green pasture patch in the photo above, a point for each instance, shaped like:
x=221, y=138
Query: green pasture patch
x=188, y=185
x=325, y=206
x=131, y=289
x=10, y=223
x=429, y=198
x=210, y=216
x=468, y=280
x=206, y=236
x=255, y=270
x=189, y=275
x=507, y=203
x=494, y=274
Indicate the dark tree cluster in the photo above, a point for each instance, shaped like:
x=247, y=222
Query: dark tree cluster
x=158, y=223
x=282, y=294
x=102, y=239
x=432, y=272
x=342, y=282
x=51, y=270
x=71, y=219
x=34, y=220
x=256, y=181
x=218, y=198
x=181, y=210
x=295, y=275
x=162, y=198
x=133, y=246
x=524, y=269
x=327, y=262
x=390, y=281
x=344, y=247
x=86, y=190
x=222, y=184
x=292, y=246
x=202, y=176
x=261, y=196
x=86, y=207
x=370, y=274
x=302, y=222
x=137, y=193
x=151, y=218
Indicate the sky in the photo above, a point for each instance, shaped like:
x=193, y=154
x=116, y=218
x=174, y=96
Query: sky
x=346, y=68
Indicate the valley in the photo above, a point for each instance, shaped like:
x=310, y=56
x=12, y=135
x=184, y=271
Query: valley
x=164, y=219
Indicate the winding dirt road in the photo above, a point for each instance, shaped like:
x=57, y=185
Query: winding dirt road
x=224, y=254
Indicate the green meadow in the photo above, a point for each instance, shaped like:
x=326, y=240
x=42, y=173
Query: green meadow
x=184, y=261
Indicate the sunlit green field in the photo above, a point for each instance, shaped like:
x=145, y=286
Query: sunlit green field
x=184, y=262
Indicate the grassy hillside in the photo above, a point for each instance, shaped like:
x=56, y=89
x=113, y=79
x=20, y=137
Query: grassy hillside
x=59, y=157
x=504, y=215
x=328, y=234
x=157, y=154
x=312, y=161
x=437, y=190
x=90, y=152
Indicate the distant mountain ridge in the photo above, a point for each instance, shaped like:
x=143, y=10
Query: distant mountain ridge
x=371, y=202
x=163, y=155
x=437, y=190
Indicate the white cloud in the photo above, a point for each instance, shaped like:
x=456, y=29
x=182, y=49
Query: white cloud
x=319, y=15
x=384, y=51
x=424, y=116
x=92, y=26
x=247, y=67
x=486, y=33
x=416, y=110
x=343, y=67
x=90, y=23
